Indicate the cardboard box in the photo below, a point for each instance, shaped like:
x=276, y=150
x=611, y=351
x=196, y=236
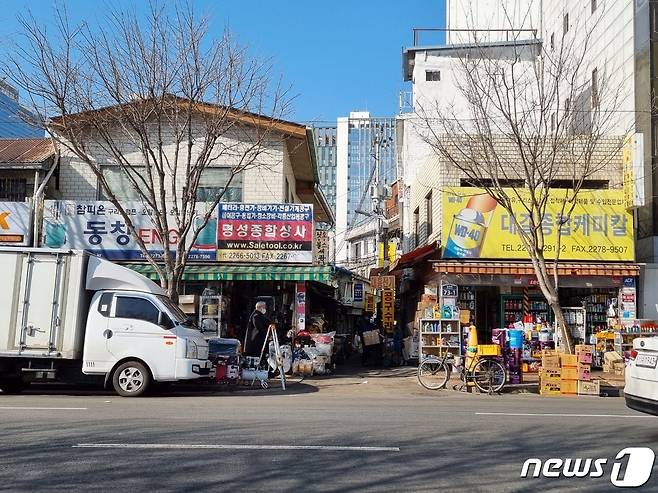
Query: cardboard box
x=550, y=388
x=612, y=356
x=546, y=374
x=584, y=372
x=584, y=348
x=568, y=386
x=570, y=360
x=607, y=368
x=428, y=298
x=548, y=352
x=589, y=388
x=569, y=373
x=550, y=362
x=584, y=357
x=188, y=303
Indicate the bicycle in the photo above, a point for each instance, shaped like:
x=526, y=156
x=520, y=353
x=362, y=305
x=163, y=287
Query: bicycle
x=485, y=371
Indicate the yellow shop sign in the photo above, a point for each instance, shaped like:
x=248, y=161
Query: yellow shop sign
x=476, y=226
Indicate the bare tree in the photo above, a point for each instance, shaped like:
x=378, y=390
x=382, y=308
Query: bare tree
x=163, y=101
x=536, y=113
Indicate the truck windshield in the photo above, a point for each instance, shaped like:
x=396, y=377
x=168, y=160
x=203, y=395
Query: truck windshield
x=176, y=313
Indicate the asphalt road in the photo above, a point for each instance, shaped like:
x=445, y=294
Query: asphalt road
x=338, y=434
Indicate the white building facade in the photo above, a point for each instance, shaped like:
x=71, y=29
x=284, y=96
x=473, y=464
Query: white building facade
x=616, y=72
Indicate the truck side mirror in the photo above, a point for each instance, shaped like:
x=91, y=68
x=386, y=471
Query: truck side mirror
x=164, y=321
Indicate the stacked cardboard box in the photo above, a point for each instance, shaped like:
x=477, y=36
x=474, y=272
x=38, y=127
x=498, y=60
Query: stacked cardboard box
x=613, y=363
x=569, y=364
x=426, y=308
x=586, y=386
x=568, y=374
x=550, y=373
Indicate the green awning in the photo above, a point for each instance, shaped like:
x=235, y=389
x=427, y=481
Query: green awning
x=252, y=272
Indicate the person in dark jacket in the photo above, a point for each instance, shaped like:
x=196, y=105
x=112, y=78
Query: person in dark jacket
x=257, y=325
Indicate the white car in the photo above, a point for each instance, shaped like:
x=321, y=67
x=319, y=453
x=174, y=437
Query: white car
x=641, y=390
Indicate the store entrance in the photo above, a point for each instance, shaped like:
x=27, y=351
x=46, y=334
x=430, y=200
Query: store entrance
x=487, y=311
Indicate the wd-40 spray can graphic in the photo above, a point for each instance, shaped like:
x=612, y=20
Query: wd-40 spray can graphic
x=469, y=228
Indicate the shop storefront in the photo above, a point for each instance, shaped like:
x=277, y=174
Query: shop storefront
x=505, y=295
x=483, y=277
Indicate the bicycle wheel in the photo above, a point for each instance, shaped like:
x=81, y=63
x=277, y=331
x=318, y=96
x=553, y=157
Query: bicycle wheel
x=489, y=376
x=432, y=373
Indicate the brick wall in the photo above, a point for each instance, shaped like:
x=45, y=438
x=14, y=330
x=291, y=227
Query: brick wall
x=262, y=181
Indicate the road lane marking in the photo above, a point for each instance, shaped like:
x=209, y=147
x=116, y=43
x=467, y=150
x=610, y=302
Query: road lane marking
x=13, y=408
x=567, y=415
x=178, y=446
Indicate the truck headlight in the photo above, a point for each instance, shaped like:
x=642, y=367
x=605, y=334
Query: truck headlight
x=191, y=350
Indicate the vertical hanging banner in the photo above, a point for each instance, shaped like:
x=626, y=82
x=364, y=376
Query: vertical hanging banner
x=358, y=292
x=388, y=309
x=300, y=305
x=370, y=303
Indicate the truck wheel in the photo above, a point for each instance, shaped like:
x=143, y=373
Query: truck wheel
x=131, y=379
x=12, y=385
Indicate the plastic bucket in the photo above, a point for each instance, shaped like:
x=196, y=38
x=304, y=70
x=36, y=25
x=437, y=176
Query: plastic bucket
x=515, y=338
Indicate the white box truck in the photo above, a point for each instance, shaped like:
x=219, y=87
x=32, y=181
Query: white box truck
x=66, y=314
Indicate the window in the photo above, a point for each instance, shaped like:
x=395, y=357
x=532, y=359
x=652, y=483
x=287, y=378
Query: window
x=214, y=180
x=567, y=106
x=136, y=308
x=593, y=3
x=432, y=75
x=595, y=88
x=428, y=213
x=416, y=224
x=13, y=189
x=356, y=251
x=552, y=41
x=105, y=303
x=286, y=191
x=565, y=24
x=117, y=179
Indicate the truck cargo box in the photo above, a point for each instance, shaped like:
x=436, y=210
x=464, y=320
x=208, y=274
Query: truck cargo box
x=44, y=302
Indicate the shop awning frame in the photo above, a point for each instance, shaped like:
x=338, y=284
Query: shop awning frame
x=236, y=272
x=526, y=268
x=415, y=256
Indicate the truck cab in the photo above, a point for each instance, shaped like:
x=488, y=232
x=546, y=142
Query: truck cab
x=136, y=335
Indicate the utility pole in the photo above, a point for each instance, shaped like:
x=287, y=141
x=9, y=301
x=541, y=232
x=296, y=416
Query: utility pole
x=381, y=236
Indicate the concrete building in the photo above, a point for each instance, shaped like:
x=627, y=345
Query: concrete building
x=619, y=73
x=326, y=151
x=361, y=140
x=14, y=118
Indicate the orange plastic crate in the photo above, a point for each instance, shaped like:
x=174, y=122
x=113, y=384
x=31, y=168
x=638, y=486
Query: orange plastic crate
x=488, y=350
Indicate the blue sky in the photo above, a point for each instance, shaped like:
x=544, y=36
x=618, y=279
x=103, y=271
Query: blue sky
x=339, y=56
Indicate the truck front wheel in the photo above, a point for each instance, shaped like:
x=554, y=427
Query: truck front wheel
x=131, y=379
x=14, y=385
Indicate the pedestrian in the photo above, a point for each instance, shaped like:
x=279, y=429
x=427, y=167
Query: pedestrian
x=257, y=326
x=363, y=325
